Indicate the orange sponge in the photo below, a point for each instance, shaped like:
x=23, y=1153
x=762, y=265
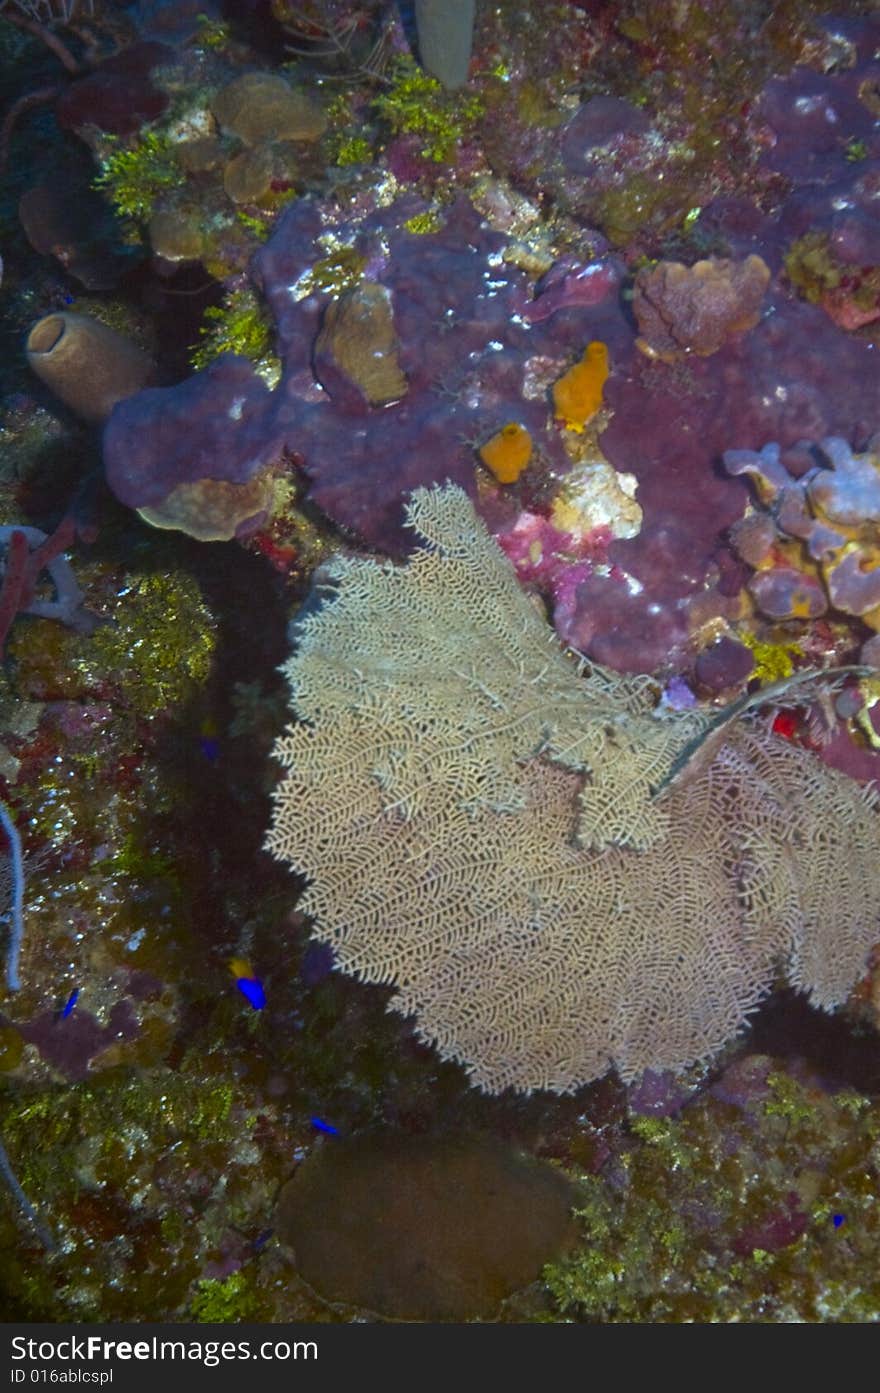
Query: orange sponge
x=508, y=452
x=577, y=395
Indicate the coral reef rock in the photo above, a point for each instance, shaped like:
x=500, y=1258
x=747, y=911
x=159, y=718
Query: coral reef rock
x=557, y=874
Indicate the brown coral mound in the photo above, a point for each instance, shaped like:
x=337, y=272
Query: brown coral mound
x=423, y=1228
x=262, y=106
x=524, y=845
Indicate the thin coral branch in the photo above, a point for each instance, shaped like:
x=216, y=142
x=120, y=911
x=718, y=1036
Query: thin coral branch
x=16, y=909
x=47, y=37
x=24, y=1204
x=334, y=43
x=22, y=571
x=765, y=697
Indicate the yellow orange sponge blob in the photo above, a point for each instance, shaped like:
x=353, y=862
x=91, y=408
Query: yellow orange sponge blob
x=508, y=452
x=577, y=396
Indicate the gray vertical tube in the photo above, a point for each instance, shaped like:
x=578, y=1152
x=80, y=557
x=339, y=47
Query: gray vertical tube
x=446, y=33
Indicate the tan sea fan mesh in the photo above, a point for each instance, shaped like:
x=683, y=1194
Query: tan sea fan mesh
x=485, y=823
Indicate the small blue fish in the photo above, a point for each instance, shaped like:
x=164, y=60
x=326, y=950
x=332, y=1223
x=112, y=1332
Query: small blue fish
x=321, y=1126
x=838, y=1219
x=251, y=988
x=210, y=747
x=69, y=1004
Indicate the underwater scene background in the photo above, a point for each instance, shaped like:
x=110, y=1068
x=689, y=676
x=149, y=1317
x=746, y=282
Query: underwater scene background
x=440, y=683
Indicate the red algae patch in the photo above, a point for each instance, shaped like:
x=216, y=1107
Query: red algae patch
x=423, y=1228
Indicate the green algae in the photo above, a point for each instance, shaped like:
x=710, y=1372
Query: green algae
x=240, y=325
x=421, y=224
x=160, y=645
x=258, y=227
x=353, y=150
x=856, y=151
x=134, y=176
x=133, y=859
x=666, y=1236
x=416, y=104
x=212, y=34
x=224, y=1302
x=812, y=267
x=334, y=274
x=815, y=272
x=627, y=209
x=139, y=1176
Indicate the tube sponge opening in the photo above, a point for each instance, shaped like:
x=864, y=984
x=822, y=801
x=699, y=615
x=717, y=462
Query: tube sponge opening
x=88, y=365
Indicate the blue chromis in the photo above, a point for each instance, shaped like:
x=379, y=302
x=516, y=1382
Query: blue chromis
x=321, y=1126
x=69, y=1004
x=247, y=982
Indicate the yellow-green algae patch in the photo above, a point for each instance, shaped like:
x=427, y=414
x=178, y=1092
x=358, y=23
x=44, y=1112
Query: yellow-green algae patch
x=417, y=104
x=140, y=1178
x=239, y=325
x=134, y=176
x=763, y=1212
x=160, y=643
x=224, y=1302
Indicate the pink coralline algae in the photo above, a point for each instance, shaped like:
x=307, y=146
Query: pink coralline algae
x=807, y=120
x=824, y=526
x=557, y=563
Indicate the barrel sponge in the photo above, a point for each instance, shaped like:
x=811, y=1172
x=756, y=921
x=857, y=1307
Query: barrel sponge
x=89, y=366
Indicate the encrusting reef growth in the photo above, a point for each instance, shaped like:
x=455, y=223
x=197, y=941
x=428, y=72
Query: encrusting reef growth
x=556, y=873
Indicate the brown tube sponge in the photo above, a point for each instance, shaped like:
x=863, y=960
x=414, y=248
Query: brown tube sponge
x=87, y=365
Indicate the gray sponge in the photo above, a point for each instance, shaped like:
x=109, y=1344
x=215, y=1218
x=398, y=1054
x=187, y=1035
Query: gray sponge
x=446, y=31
